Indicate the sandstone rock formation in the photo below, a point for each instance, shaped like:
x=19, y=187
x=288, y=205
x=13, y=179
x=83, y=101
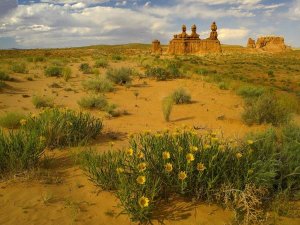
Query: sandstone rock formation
x=156, y=48
x=269, y=44
x=192, y=44
x=251, y=43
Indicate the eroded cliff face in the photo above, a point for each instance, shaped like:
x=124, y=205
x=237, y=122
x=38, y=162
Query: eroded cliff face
x=269, y=44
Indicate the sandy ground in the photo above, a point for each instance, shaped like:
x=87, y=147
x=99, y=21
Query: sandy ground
x=61, y=194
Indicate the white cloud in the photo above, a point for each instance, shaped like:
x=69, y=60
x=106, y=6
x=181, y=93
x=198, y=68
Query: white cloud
x=227, y=34
x=294, y=11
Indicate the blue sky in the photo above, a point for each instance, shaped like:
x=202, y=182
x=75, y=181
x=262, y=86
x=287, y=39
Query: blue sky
x=67, y=23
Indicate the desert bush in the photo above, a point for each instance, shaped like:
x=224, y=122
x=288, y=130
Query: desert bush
x=93, y=102
x=173, y=69
x=98, y=85
x=223, y=85
x=101, y=63
x=116, y=57
x=246, y=173
x=19, y=150
x=11, y=120
x=120, y=76
x=36, y=59
x=268, y=108
x=5, y=77
x=63, y=127
x=53, y=71
x=2, y=84
x=85, y=68
x=158, y=73
x=181, y=96
x=66, y=73
x=167, y=106
x=42, y=101
x=250, y=91
x=19, y=68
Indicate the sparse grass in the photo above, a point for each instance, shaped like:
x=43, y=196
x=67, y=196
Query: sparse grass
x=11, y=120
x=223, y=85
x=181, y=96
x=64, y=127
x=36, y=59
x=53, y=71
x=98, y=85
x=19, y=68
x=2, y=84
x=66, y=73
x=93, y=102
x=85, y=68
x=116, y=57
x=250, y=91
x=42, y=101
x=101, y=63
x=5, y=77
x=120, y=76
x=19, y=150
x=267, y=108
x=167, y=106
x=158, y=73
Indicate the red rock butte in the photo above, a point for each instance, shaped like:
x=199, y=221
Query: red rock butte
x=184, y=43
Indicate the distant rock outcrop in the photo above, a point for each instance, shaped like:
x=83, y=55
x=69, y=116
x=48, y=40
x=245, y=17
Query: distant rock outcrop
x=192, y=44
x=156, y=48
x=269, y=44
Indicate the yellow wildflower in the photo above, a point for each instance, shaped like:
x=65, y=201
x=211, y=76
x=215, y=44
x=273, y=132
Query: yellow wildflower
x=33, y=115
x=140, y=155
x=142, y=166
x=250, y=171
x=141, y=180
x=23, y=122
x=250, y=142
x=180, y=149
x=200, y=167
x=69, y=123
x=166, y=155
x=239, y=155
x=206, y=146
x=182, y=175
x=143, y=202
x=190, y=157
x=193, y=148
x=168, y=167
x=213, y=134
x=119, y=170
x=158, y=135
x=130, y=152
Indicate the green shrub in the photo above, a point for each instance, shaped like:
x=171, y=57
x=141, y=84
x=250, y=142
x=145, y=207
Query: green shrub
x=19, y=150
x=5, y=77
x=2, y=84
x=42, y=101
x=158, y=73
x=11, y=120
x=116, y=57
x=53, y=71
x=66, y=73
x=271, y=73
x=167, y=106
x=85, y=68
x=173, y=69
x=250, y=91
x=246, y=175
x=98, y=85
x=201, y=71
x=223, y=85
x=64, y=127
x=93, y=102
x=268, y=108
x=36, y=59
x=19, y=68
x=101, y=63
x=181, y=96
x=120, y=76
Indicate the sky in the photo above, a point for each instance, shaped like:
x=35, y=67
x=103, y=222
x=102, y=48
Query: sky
x=71, y=23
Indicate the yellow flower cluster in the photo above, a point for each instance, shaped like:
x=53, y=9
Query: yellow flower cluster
x=23, y=122
x=193, y=148
x=119, y=170
x=200, y=167
x=130, y=152
x=190, y=157
x=182, y=175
